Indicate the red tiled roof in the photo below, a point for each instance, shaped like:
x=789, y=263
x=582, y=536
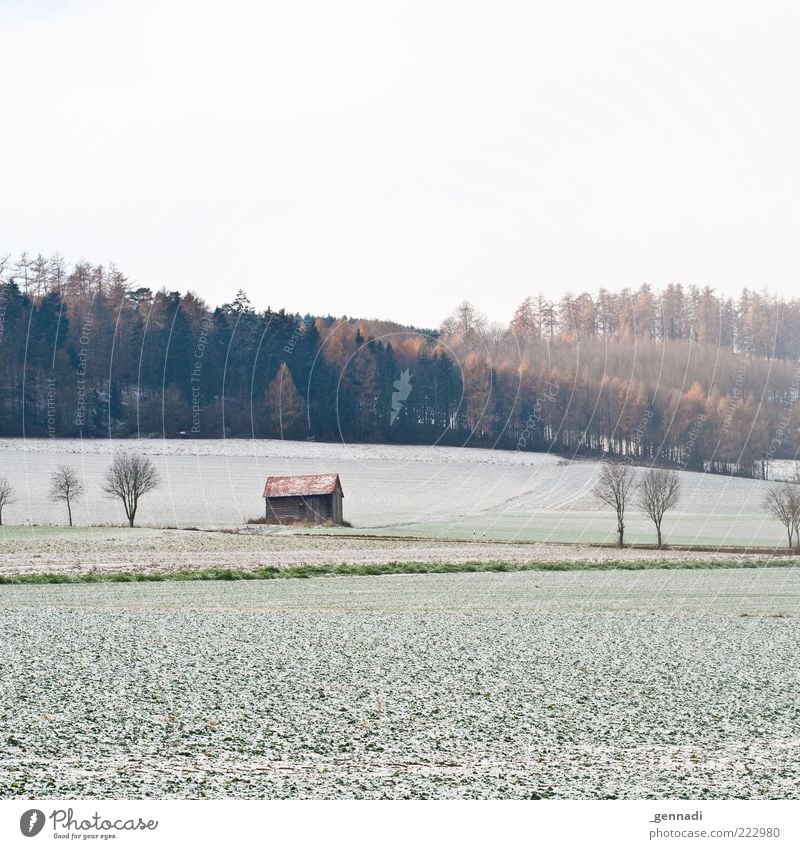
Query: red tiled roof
x=279, y=486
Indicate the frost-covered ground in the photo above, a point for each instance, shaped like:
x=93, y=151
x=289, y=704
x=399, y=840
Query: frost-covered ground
x=400, y=490
x=678, y=684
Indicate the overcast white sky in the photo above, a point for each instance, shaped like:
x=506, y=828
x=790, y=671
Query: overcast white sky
x=389, y=159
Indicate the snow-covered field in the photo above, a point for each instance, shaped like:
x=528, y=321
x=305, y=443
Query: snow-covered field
x=679, y=684
x=417, y=491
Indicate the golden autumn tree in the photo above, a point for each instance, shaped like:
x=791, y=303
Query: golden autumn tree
x=284, y=407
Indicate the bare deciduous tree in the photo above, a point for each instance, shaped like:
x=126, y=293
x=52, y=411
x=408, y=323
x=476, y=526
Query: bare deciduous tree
x=130, y=477
x=65, y=485
x=659, y=491
x=614, y=488
x=6, y=496
x=783, y=502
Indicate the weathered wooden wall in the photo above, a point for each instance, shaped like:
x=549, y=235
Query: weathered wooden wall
x=310, y=508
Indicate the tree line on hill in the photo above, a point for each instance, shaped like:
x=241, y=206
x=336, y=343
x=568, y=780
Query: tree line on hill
x=682, y=377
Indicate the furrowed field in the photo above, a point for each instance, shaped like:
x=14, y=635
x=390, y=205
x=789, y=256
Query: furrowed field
x=674, y=684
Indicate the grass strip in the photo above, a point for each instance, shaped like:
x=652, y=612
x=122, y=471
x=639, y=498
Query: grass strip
x=358, y=569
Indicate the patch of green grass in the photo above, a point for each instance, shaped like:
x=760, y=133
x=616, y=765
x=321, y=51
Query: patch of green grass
x=395, y=568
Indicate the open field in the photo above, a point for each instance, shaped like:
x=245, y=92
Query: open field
x=675, y=684
x=417, y=491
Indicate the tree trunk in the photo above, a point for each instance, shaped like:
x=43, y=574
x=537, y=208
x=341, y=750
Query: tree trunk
x=621, y=532
x=658, y=531
x=69, y=512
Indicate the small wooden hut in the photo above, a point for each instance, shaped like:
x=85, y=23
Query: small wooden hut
x=304, y=498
